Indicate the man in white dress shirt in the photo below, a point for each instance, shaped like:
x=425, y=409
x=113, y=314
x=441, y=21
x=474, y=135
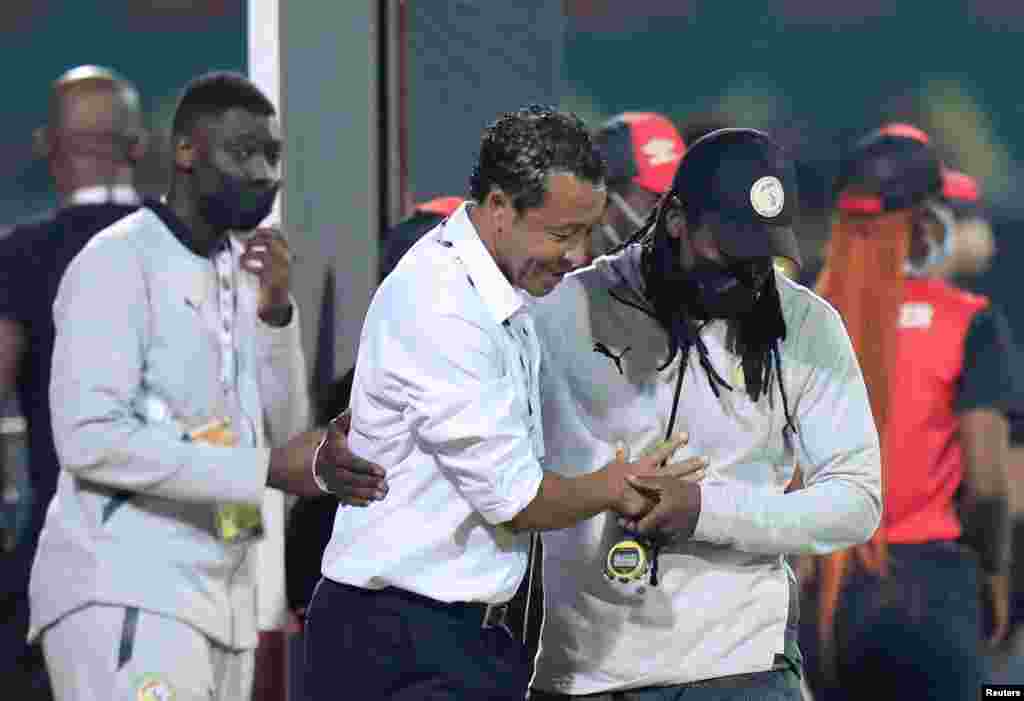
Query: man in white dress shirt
x=446, y=398
x=688, y=327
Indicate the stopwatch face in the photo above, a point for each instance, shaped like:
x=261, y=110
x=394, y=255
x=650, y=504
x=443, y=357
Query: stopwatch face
x=625, y=560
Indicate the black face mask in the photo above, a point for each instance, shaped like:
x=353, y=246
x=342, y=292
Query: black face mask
x=237, y=206
x=728, y=291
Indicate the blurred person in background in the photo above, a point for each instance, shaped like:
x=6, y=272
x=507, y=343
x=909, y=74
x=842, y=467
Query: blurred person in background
x=177, y=379
x=396, y=241
x=92, y=142
x=903, y=610
x=972, y=252
x=972, y=246
x=642, y=150
x=1008, y=662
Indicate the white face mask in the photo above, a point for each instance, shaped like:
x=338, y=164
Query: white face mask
x=635, y=220
x=938, y=253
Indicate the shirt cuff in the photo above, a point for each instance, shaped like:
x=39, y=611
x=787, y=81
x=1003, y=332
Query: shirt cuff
x=718, y=509
x=276, y=339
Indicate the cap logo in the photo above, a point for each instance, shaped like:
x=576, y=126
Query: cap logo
x=661, y=151
x=767, y=196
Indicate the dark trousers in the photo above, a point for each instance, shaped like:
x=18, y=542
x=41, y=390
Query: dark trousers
x=917, y=632
x=397, y=646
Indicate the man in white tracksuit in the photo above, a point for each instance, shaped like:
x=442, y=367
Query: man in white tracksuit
x=177, y=375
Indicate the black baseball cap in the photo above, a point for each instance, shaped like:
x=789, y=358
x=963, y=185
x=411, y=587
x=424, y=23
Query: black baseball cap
x=743, y=181
x=896, y=164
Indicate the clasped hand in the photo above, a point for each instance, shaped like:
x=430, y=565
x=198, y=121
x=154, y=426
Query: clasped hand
x=658, y=498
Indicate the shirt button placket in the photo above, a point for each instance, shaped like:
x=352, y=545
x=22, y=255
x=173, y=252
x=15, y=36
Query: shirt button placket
x=227, y=350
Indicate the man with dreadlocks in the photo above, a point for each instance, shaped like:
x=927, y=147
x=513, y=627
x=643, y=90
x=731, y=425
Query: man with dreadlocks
x=937, y=363
x=688, y=327
x=759, y=372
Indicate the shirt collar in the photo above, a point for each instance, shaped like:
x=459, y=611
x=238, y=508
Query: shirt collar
x=178, y=228
x=102, y=194
x=499, y=296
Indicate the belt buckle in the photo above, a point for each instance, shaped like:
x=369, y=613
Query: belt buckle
x=494, y=616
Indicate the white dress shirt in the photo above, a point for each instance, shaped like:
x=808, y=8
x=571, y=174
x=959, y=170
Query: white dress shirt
x=725, y=602
x=446, y=399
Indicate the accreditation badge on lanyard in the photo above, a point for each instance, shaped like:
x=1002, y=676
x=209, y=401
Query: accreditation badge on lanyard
x=233, y=523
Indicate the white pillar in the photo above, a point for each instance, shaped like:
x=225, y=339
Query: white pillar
x=317, y=61
x=264, y=70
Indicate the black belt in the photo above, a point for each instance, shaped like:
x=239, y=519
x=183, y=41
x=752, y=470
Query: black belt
x=472, y=613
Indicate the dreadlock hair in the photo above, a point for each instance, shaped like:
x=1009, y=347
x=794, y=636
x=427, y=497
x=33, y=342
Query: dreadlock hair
x=754, y=336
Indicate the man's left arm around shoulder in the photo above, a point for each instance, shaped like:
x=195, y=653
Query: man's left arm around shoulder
x=840, y=504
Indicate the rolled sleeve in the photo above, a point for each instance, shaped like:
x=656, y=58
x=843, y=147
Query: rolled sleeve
x=101, y=317
x=838, y=449
x=482, y=446
x=464, y=407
